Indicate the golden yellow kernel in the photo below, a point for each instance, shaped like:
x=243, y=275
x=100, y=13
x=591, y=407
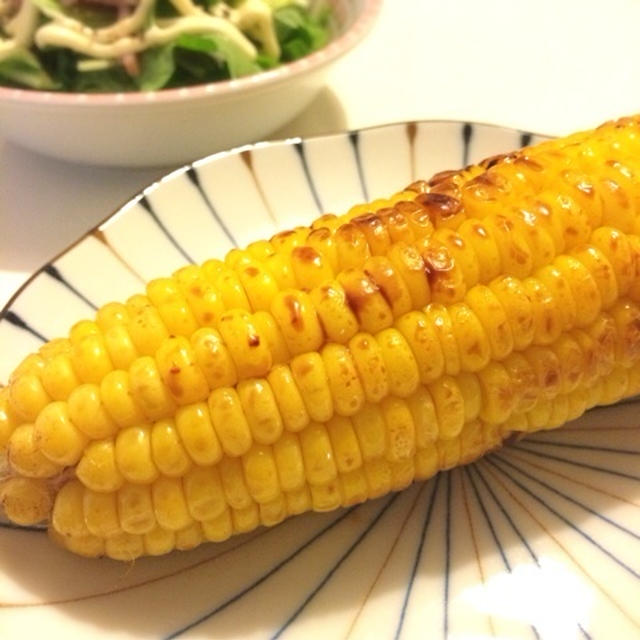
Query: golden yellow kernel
x=98, y=469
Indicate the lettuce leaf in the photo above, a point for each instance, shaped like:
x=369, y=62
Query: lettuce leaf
x=22, y=68
x=193, y=59
x=299, y=31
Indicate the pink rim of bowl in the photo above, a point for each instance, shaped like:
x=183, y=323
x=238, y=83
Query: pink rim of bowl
x=347, y=40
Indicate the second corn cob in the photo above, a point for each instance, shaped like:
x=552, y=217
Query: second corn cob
x=335, y=363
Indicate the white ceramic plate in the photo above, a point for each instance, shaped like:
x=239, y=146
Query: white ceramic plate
x=539, y=540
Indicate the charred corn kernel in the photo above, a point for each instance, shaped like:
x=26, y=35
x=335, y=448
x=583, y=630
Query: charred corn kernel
x=337, y=318
x=197, y=434
x=478, y=238
x=159, y=541
x=351, y=246
x=249, y=349
x=375, y=232
x=366, y=300
x=446, y=278
x=117, y=396
x=571, y=360
x=219, y=528
x=515, y=255
x=317, y=453
x=309, y=267
x=322, y=240
x=344, y=444
x=524, y=381
x=472, y=444
x=135, y=508
x=204, y=493
x=231, y=290
x=353, y=487
x=273, y=512
x=201, y=296
x=26, y=501
x=601, y=271
x=298, y=321
x=268, y=327
x=627, y=319
x=449, y=405
x=98, y=468
x=616, y=247
x=546, y=366
x=461, y=254
x=166, y=448
x=603, y=334
x=547, y=319
x=229, y=421
x=90, y=358
x=471, y=391
x=67, y=517
x=26, y=458
x=548, y=217
x=379, y=477
x=58, y=377
x=424, y=344
x=449, y=453
x=400, y=429
x=410, y=266
x=310, y=377
x=498, y=398
x=180, y=373
x=288, y=398
x=438, y=317
x=370, y=430
x=289, y=462
x=540, y=242
x=261, y=473
x=57, y=437
x=101, y=513
x=486, y=306
x=345, y=386
x=246, y=519
x=298, y=501
x=213, y=358
x=165, y=294
x=27, y=396
x=134, y=456
x=473, y=343
x=423, y=413
x=233, y=483
x=518, y=309
x=326, y=497
x=189, y=537
x=80, y=330
x=124, y=546
x=370, y=365
x=145, y=325
x=396, y=293
x=403, y=473
x=583, y=287
x=402, y=371
x=88, y=414
x=426, y=462
x=149, y=390
x=169, y=504
x=261, y=410
x=259, y=285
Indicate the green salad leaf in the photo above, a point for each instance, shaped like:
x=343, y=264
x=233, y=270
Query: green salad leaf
x=23, y=68
x=193, y=59
x=300, y=32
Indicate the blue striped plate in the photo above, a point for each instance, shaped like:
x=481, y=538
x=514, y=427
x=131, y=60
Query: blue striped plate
x=538, y=540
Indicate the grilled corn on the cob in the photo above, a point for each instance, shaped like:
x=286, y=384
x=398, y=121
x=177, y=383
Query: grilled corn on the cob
x=337, y=362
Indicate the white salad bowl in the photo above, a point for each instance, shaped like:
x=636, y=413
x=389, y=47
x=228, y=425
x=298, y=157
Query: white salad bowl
x=174, y=126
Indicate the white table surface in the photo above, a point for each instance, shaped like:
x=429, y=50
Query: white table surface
x=549, y=66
